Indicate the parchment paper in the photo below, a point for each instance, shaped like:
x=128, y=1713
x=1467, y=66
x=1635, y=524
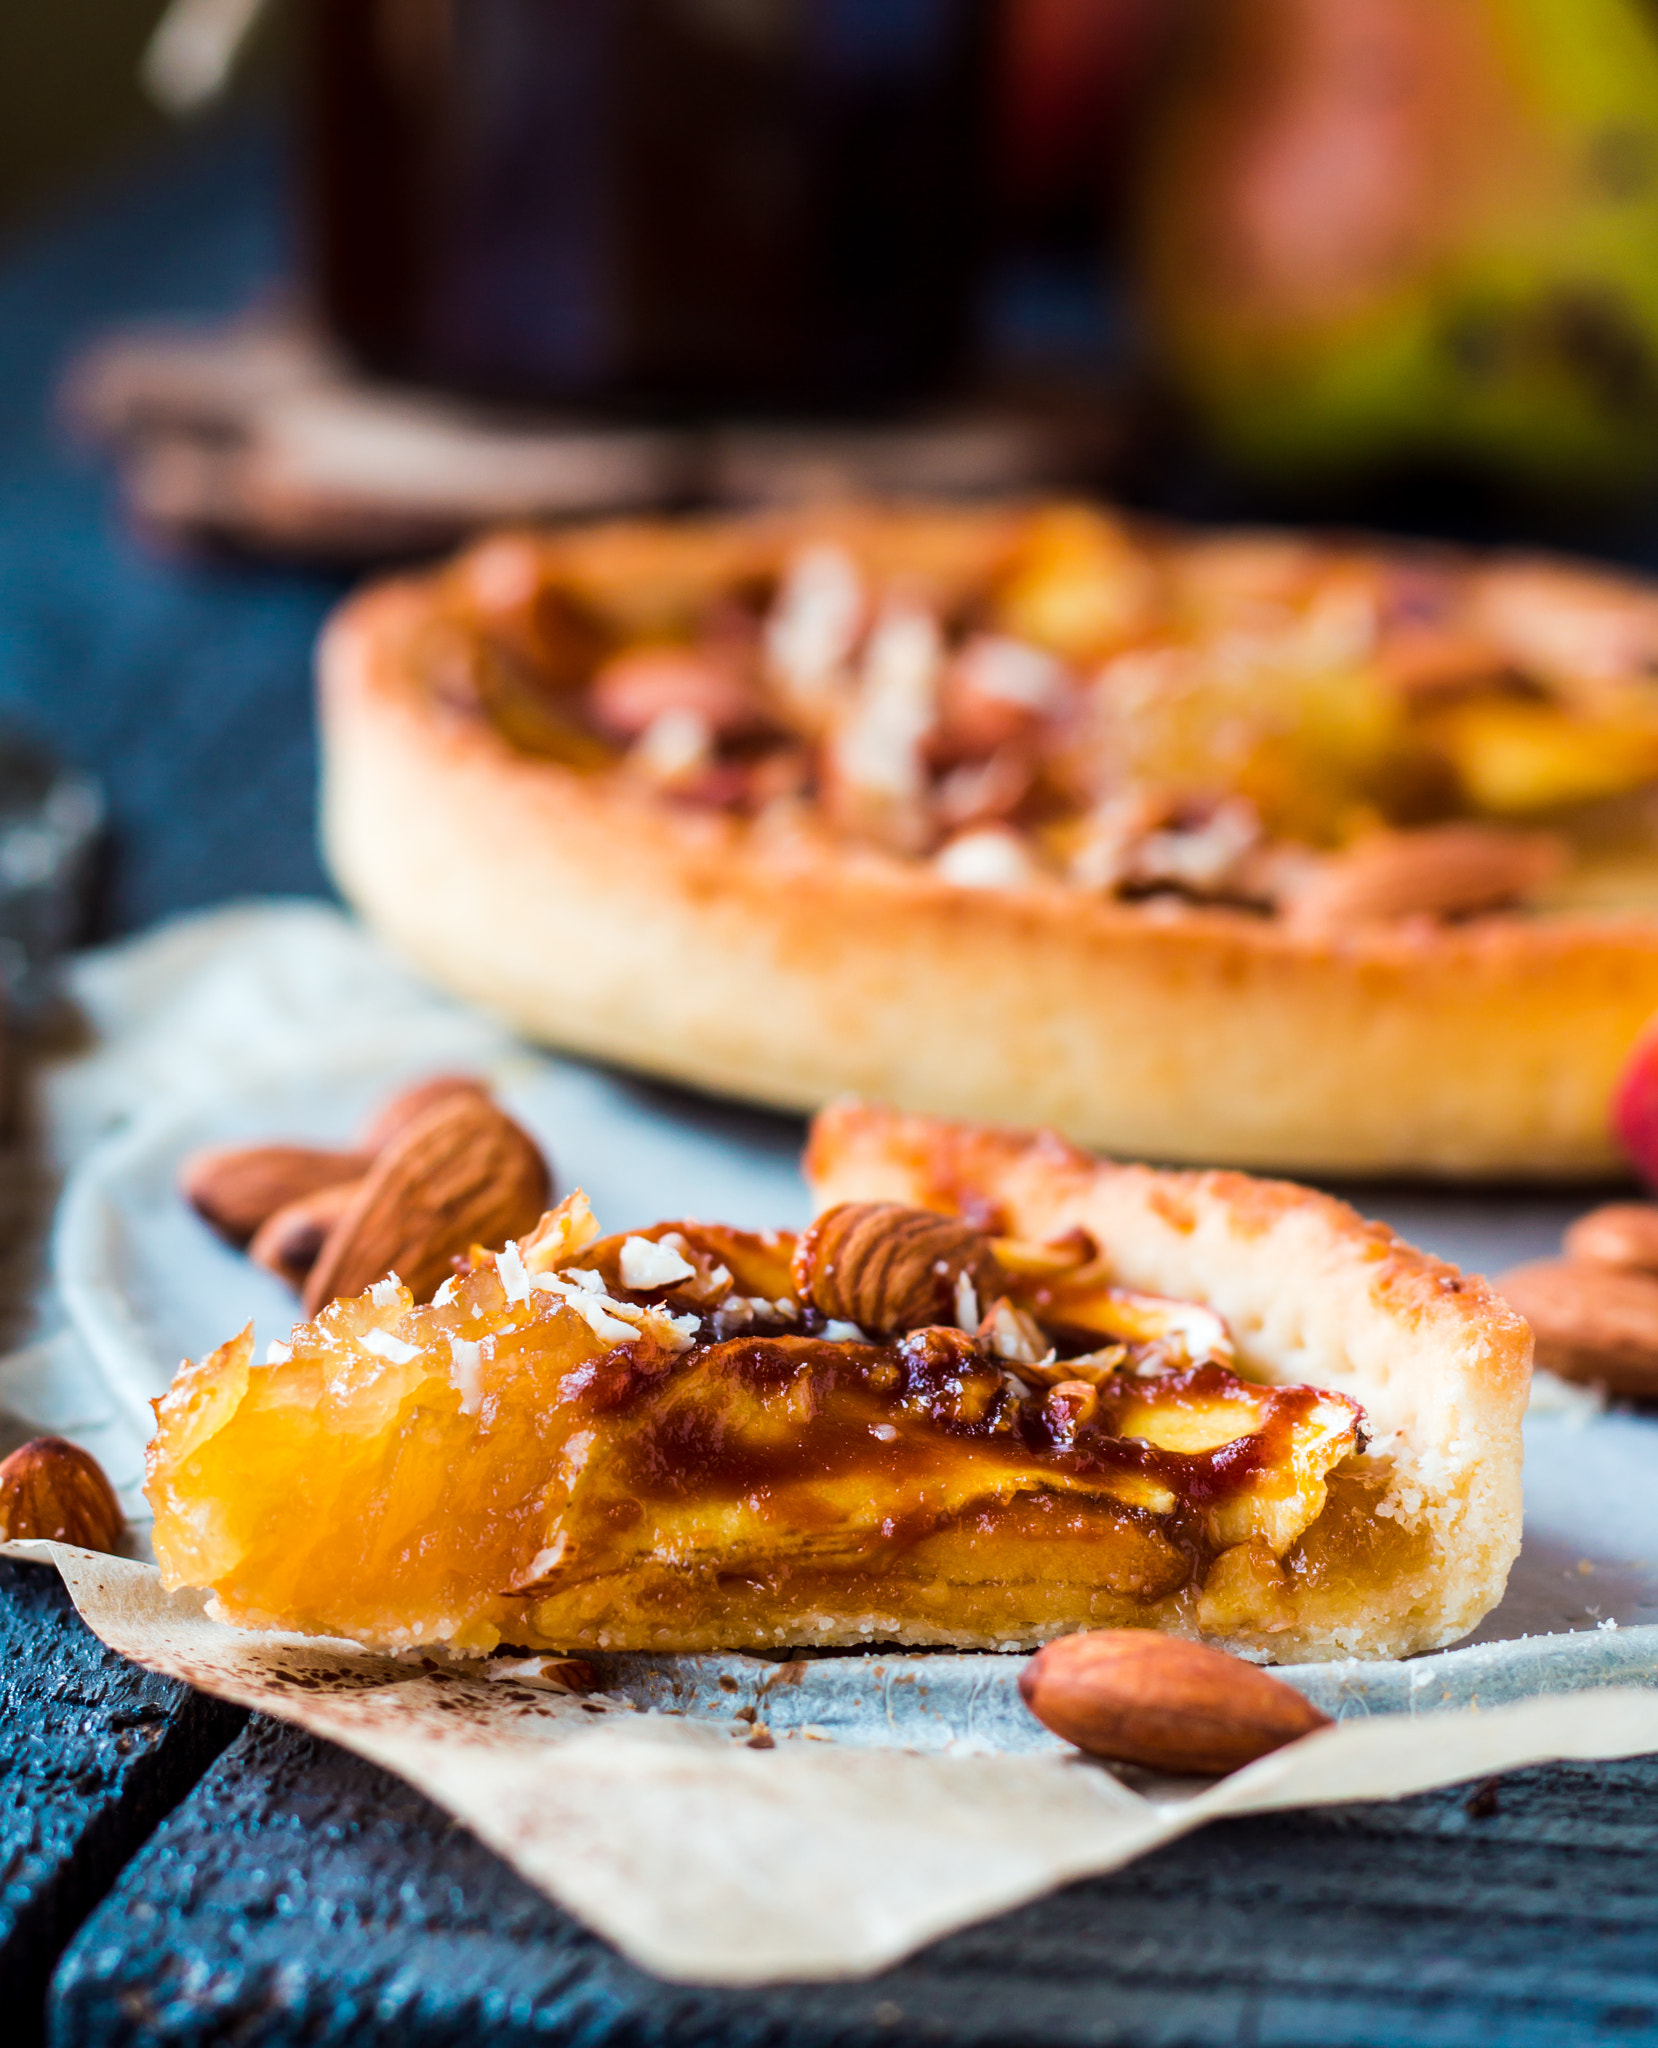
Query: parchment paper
x=709, y=1860
x=905, y=1795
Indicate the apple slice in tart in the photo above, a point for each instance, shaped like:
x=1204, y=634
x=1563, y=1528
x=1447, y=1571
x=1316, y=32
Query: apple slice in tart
x=1090, y=1396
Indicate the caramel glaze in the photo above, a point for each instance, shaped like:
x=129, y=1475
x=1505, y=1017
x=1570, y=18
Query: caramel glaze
x=802, y=1435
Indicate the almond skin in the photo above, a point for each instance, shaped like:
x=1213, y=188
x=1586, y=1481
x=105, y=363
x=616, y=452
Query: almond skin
x=1135, y=1697
x=52, y=1488
x=234, y=1188
x=886, y=1267
x=1621, y=1234
x=1442, y=871
x=636, y=688
x=393, y=1118
x=1592, y=1322
x=458, y=1175
x=289, y=1243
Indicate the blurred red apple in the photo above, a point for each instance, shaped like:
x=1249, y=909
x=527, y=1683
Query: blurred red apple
x=1635, y=1106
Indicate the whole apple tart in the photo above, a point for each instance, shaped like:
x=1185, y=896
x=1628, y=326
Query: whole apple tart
x=1293, y=852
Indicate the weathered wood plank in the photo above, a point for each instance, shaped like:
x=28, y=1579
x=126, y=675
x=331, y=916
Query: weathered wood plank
x=93, y=1752
x=301, y=1895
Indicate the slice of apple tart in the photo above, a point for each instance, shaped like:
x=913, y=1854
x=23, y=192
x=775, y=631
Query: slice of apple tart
x=899, y=1426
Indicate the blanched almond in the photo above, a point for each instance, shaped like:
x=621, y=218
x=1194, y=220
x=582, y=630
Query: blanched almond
x=1136, y=1697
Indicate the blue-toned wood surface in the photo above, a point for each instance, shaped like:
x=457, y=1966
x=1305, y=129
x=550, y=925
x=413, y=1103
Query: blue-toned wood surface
x=301, y=1895
x=184, y=685
x=93, y=1752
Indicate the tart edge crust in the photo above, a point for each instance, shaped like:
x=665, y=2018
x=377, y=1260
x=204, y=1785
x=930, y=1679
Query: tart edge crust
x=1311, y=1291
x=791, y=969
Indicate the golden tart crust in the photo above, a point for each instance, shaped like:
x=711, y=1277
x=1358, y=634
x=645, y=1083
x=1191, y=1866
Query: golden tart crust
x=1312, y=1294
x=775, y=958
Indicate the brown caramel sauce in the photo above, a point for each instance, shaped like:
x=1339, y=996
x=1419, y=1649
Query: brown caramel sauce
x=990, y=1508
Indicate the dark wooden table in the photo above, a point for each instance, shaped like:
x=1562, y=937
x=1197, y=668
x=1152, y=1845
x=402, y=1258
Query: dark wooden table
x=170, y=1873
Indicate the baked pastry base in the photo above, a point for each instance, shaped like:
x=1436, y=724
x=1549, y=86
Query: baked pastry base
x=1416, y=1544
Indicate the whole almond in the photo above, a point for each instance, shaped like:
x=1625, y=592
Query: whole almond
x=1136, y=1697
x=886, y=1267
x=461, y=1174
x=634, y=689
x=234, y=1188
x=53, y=1488
x=1621, y=1234
x=393, y=1118
x=289, y=1243
x=1592, y=1322
x=1442, y=871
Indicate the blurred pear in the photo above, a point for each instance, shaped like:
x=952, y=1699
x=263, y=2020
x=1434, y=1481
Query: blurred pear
x=1395, y=232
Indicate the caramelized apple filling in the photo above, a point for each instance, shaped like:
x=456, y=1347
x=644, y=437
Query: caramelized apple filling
x=690, y=1437
x=1058, y=694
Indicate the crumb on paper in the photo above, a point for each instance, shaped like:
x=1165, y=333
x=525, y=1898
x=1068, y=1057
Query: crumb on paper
x=549, y=1674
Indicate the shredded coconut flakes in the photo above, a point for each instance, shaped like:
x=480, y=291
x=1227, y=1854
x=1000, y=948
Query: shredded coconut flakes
x=384, y=1345
x=509, y=1269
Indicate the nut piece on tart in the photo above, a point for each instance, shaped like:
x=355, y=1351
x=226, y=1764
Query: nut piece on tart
x=1082, y=1396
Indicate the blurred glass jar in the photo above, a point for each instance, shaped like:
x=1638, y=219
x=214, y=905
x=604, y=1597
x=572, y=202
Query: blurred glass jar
x=742, y=203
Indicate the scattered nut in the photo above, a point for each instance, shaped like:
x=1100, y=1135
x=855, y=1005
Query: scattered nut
x=395, y=1117
x=1592, y=1322
x=1135, y=1697
x=460, y=1174
x=1621, y=1234
x=289, y=1243
x=633, y=690
x=234, y=1188
x=1443, y=871
x=886, y=1267
x=53, y=1488
x=1071, y=1405
x=301, y=1209
x=1012, y=1334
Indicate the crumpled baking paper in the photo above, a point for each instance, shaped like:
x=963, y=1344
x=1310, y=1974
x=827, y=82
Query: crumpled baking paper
x=708, y=1857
